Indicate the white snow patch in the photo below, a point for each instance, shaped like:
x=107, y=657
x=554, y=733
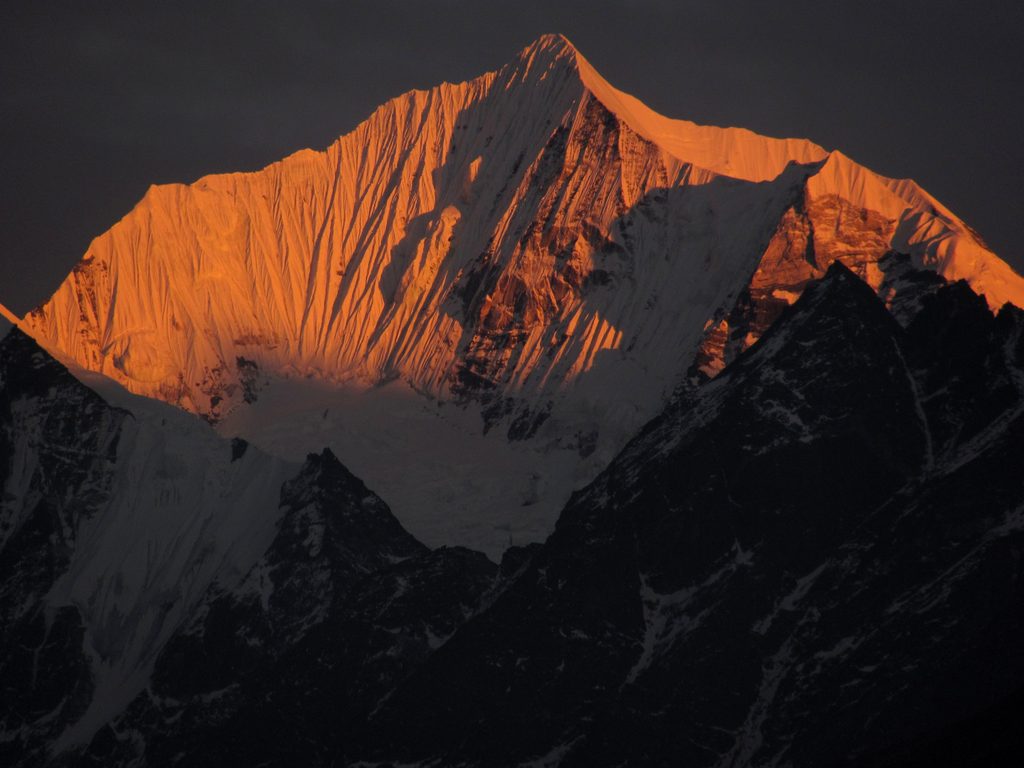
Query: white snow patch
x=749, y=738
x=553, y=758
x=665, y=617
x=791, y=600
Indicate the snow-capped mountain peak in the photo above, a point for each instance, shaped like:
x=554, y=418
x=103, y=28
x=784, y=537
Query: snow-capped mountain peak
x=793, y=440
x=533, y=245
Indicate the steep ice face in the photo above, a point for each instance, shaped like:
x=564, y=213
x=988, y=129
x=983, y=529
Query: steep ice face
x=504, y=237
x=919, y=225
x=532, y=244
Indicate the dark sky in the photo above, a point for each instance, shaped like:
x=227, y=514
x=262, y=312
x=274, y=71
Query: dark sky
x=99, y=100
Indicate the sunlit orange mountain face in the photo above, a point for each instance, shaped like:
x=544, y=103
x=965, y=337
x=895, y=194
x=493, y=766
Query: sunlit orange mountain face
x=773, y=400
x=505, y=276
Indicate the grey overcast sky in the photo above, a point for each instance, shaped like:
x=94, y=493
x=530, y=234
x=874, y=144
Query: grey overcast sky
x=98, y=100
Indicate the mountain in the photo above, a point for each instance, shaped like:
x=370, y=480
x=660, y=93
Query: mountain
x=733, y=423
x=113, y=523
x=152, y=571
x=341, y=608
x=516, y=271
x=813, y=559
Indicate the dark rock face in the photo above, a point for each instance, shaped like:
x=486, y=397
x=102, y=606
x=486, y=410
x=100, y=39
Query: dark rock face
x=813, y=560
x=57, y=446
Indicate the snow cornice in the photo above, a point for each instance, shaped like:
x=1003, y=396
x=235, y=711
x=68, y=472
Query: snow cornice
x=734, y=152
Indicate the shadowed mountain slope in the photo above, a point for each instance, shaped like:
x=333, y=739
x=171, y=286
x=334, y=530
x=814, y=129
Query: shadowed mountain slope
x=813, y=559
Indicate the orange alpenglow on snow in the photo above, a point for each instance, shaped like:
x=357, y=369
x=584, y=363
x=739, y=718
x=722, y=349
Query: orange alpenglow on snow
x=532, y=242
x=9, y=316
